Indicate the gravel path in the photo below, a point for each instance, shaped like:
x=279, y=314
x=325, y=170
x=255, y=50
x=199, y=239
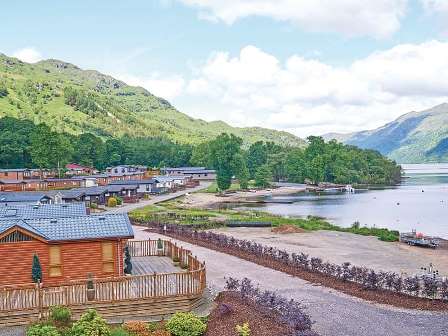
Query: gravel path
x=336, y=314
x=155, y=199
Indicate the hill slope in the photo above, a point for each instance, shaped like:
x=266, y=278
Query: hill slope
x=76, y=101
x=412, y=138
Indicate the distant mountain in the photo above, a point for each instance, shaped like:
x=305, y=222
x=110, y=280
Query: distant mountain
x=73, y=100
x=412, y=138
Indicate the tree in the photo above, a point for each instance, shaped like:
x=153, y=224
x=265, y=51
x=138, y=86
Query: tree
x=49, y=149
x=296, y=166
x=36, y=270
x=115, y=152
x=15, y=142
x=200, y=155
x=222, y=152
x=263, y=176
x=257, y=155
x=277, y=164
x=240, y=170
x=90, y=151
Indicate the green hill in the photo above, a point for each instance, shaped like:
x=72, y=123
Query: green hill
x=412, y=138
x=72, y=100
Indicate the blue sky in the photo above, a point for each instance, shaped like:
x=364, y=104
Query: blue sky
x=305, y=66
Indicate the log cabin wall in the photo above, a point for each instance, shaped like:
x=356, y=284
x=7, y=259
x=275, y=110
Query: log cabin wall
x=78, y=259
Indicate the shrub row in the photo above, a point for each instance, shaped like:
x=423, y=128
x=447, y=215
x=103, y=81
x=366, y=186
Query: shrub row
x=369, y=279
x=92, y=324
x=288, y=311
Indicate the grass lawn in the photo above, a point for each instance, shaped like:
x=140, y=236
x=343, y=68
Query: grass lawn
x=213, y=188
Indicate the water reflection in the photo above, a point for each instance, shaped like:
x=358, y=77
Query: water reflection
x=420, y=202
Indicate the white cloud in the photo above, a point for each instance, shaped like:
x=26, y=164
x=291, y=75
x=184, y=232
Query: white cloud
x=378, y=18
x=29, y=55
x=306, y=96
x=165, y=87
x=435, y=5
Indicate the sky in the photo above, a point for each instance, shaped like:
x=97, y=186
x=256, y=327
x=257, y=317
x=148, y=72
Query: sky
x=303, y=66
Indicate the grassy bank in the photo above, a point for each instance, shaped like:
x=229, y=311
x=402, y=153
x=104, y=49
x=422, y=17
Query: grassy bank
x=172, y=212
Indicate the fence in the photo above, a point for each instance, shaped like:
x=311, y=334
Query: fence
x=32, y=301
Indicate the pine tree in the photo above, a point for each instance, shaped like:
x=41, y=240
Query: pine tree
x=36, y=271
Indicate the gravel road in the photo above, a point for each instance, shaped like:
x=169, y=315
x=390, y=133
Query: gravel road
x=154, y=200
x=335, y=314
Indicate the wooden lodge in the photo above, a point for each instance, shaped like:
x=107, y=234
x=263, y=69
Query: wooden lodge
x=68, y=248
x=147, y=292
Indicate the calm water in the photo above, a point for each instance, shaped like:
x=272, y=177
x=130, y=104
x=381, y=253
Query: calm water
x=420, y=202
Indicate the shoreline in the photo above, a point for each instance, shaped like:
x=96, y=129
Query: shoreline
x=203, y=200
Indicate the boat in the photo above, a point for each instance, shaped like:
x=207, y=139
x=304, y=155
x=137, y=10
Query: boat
x=419, y=239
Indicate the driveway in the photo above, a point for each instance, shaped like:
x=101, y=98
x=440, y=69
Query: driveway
x=336, y=314
x=154, y=200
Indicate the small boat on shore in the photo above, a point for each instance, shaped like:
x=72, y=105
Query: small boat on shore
x=419, y=239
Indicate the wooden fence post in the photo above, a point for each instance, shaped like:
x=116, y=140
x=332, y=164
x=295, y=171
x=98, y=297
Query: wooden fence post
x=40, y=299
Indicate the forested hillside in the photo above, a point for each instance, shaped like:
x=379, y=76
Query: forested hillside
x=412, y=138
x=71, y=100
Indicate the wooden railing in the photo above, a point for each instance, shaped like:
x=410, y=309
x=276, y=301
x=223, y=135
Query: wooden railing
x=188, y=284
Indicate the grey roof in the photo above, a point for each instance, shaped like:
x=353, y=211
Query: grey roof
x=184, y=168
x=198, y=171
x=28, y=211
x=189, y=170
x=120, y=187
x=74, y=228
x=66, y=194
x=99, y=175
x=124, y=174
x=72, y=193
x=83, y=177
x=92, y=191
x=8, y=181
x=164, y=178
x=132, y=182
x=14, y=170
x=22, y=196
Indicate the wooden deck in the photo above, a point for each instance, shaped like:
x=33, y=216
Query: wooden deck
x=150, y=265
x=157, y=287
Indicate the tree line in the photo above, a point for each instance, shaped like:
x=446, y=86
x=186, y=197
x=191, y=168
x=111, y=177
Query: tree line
x=26, y=145
x=319, y=161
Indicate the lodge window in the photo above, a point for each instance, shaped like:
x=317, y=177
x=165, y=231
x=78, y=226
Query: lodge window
x=55, y=261
x=108, y=257
x=15, y=237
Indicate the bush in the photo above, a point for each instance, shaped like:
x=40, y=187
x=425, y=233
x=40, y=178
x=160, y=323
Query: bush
x=137, y=328
x=185, y=324
x=112, y=202
x=60, y=315
x=243, y=330
x=161, y=333
x=42, y=330
x=118, y=332
x=90, y=324
x=119, y=200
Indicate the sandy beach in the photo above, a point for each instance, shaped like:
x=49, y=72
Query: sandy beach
x=208, y=200
x=339, y=247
